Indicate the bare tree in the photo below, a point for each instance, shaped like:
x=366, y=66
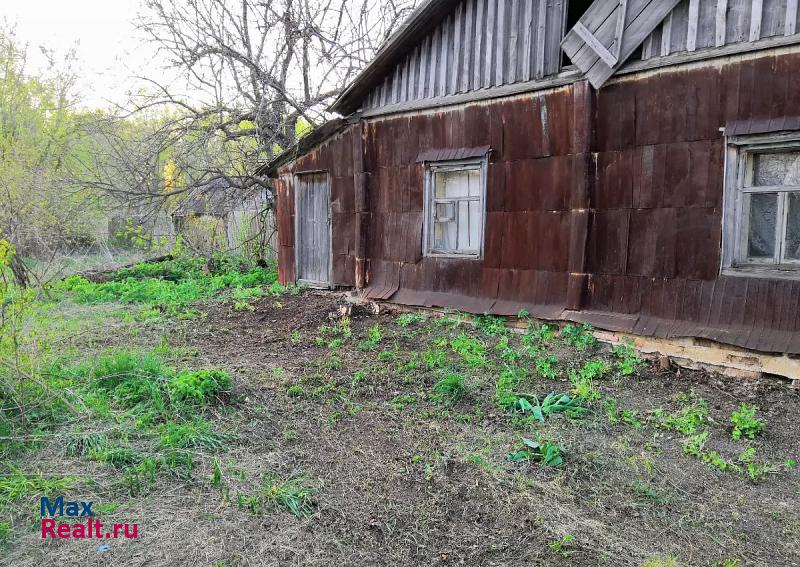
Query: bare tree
x=248, y=75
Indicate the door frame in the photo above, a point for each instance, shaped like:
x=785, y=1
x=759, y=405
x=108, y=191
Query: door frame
x=296, y=181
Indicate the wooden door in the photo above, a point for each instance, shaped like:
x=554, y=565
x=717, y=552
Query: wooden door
x=313, y=226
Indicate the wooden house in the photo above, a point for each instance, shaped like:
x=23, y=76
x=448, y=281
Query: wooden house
x=633, y=164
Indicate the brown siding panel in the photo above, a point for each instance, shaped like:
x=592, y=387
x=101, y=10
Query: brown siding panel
x=601, y=206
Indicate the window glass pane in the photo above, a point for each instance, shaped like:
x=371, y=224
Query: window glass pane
x=475, y=224
x=450, y=184
x=777, y=169
x=445, y=212
x=474, y=180
x=791, y=250
x=444, y=236
x=763, y=220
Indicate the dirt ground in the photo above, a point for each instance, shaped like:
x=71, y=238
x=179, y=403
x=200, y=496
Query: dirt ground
x=401, y=480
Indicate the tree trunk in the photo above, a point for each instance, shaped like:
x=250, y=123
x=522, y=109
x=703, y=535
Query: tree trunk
x=20, y=271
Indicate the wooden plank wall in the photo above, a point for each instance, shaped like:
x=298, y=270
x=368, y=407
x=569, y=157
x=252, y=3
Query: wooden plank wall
x=695, y=25
x=482, y=44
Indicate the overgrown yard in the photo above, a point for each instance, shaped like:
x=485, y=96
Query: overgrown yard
x=238, y=422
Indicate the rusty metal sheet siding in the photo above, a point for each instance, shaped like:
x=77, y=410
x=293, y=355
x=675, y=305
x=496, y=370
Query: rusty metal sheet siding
x=534, y=168
x=654, y=241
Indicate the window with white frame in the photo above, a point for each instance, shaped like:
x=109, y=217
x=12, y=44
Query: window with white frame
x=455, y=209
x=762, y=209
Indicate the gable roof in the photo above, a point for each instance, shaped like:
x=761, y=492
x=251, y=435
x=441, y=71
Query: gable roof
x=606, y=35
x=421, y=21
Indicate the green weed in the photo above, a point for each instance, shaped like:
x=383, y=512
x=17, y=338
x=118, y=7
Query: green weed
x=552, y=403
x=291, y=494
x=688, y=419
x=471, y=350
x=196, y=434
x=198, y=386
x=745, y=422
x=561, y=546
x=402, y=401
x=583, y=388
x=374, y=337
x=546, y=365
x=627, y=359
x=490, y=325
x=408, y=319
x=595, y=369
x=434, y=358
x=545, y=452
x=449, y=390
x=579, y=336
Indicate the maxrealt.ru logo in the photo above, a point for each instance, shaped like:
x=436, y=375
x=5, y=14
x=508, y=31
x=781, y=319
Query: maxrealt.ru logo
x=92, y=528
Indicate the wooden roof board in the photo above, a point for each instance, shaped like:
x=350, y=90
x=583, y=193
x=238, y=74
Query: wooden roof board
x=641, y=17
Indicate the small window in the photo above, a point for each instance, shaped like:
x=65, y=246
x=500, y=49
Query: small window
x=762, y=209
x=454, y=208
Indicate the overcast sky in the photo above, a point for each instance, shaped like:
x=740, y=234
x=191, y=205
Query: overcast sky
x=108, y=48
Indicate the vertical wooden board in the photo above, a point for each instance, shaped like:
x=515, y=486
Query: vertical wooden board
x=693, y=22
x=434, y=60
x=756, y=18
x=541, y=39
x=679, y=29
x=790, y=21
x=739, y=12
x=490, y=39
x=479, y=57
x=707, y=24
x=773, y=19
x=424, y=71
x=465, y=80
x=720, y=22
x=666, y=35
x=513, y=42
x=456, y=59
x=528, y=32
x=501, y=47
x=445, y=57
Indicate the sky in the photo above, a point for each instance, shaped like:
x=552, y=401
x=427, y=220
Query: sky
x=110, y=53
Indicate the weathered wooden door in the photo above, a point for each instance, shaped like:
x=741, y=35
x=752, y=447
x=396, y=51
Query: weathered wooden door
x=313, y=226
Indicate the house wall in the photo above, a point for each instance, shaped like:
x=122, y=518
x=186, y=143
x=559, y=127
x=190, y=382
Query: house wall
x=602, y=206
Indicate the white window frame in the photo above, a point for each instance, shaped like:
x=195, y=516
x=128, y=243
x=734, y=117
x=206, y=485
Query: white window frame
x=739, y=169
x=431, y=168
